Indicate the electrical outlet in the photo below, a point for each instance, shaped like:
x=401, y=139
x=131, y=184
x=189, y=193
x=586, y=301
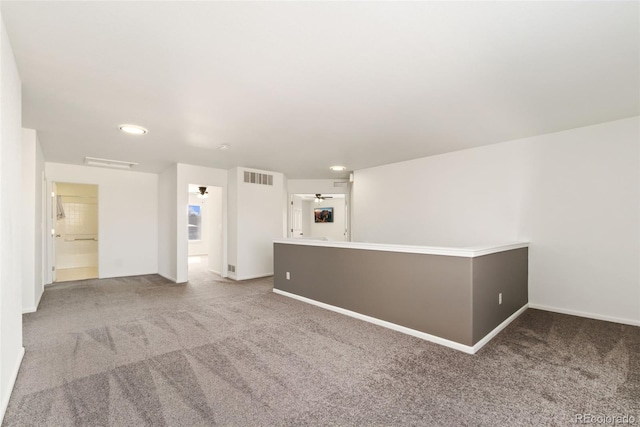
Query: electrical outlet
x=288, y=276
x=500, y=298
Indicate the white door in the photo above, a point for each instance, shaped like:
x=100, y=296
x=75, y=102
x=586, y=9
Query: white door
x=53, y=218
x=296, y=216
x=347, y=236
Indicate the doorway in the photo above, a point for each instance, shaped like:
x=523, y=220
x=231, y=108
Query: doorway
x=75, y=244
x=204, y=230
x=319, y=216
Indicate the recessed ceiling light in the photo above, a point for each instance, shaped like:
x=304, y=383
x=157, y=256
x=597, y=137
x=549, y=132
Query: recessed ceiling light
x=338, y=168
x=224, y=147
x=133, y=129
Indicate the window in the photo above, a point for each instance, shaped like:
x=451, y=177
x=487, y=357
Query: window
x=195, y=229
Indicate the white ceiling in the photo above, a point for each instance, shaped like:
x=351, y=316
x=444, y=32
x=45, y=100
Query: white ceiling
x=295, y=87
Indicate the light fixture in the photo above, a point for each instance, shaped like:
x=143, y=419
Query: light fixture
x=224, y=147
x=133, y=129
x=203, y=193
x=338, y=168
x=118, y=164
x=320, y=198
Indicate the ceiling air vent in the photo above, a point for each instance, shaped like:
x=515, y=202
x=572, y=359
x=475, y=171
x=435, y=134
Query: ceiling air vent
x=258, y=178
x=118, y=164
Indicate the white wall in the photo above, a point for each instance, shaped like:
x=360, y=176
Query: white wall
x=33, y=217
x=11, y=350
x=463, y=198
x=583, y=218
x=331, y=230
x=127, y=216
x=255, y=219
x=314, y=186
x=40, y=256
x=574, y=195
x=307, y=218
x=232, y=220
x=209, y=177
x=215, y=226
x=168, y=223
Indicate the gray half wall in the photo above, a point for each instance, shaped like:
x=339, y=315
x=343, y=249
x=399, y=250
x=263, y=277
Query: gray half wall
x=428, y=293
x=451, y=297
x=502, y=272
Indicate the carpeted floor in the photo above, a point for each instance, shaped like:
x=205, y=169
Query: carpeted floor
x=142, y=351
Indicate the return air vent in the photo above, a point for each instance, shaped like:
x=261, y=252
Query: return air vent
x=341, y=184
x=258, y=178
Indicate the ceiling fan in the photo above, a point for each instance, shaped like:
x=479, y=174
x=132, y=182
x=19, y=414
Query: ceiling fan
x=203, y=193
x=319, y=198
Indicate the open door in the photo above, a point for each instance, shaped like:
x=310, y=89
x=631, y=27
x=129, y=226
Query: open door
x=205, y=235
x=304, y=224
x=75, y=230
x=52, y=223
x=296, y=217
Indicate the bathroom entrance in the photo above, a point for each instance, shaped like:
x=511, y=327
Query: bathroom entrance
x=75, y=243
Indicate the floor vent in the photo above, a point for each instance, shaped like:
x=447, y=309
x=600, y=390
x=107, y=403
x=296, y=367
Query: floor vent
x=258, y=178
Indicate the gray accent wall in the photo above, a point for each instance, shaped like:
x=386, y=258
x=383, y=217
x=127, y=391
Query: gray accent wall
x=502, y=272
x=434, y=294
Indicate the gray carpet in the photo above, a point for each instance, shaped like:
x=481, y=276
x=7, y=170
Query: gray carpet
x=142, y=351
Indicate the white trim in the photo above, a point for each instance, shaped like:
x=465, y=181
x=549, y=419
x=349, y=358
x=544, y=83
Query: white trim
x=33, y=309
x=39, y=298
x=253, y=276
x=383, y=323
x=10, y=384
x=499, y=328
x=425, y=250
x=418, y=334
x=168, y=277
x=585, y=314
x=213, y=271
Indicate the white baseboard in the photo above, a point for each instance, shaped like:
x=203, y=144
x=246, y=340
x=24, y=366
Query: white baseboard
x=174, y=280
x=418, y=334
x=585, y=314
x=253, y=276
x=499, y=328
x=383, y=323
x=33, y=309
x=213, y=271
x=39, y=299
x=10, y=384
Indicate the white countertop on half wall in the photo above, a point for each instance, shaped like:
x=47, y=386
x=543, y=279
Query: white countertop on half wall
x=467, y=252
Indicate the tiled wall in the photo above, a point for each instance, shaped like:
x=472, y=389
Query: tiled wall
x=81, y=217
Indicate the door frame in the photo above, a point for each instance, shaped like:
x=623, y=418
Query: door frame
x=347, y=213
x=50, y=231
x=182, y=270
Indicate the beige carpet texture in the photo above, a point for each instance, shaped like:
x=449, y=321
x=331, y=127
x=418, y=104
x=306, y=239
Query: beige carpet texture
x=142, y=351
